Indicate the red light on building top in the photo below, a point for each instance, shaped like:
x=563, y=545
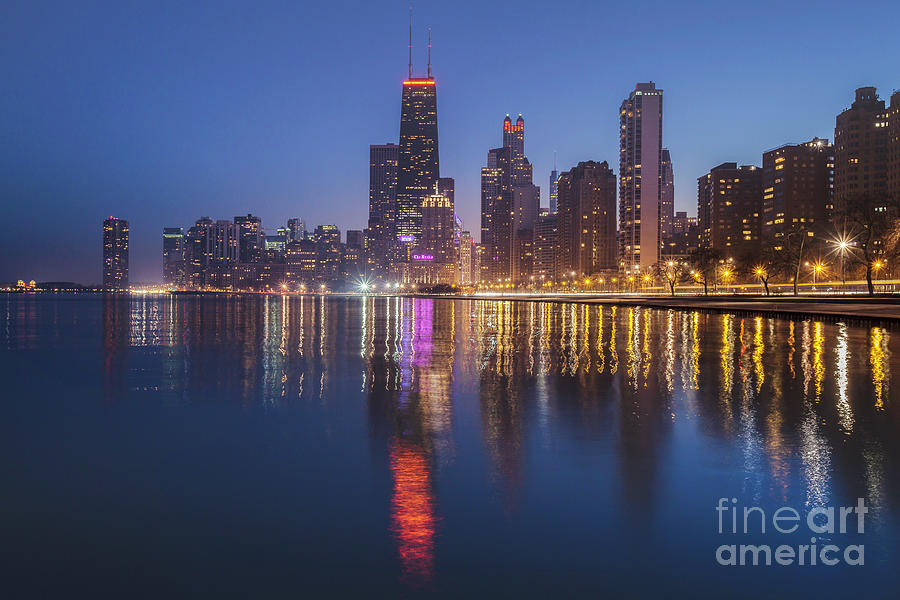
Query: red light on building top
x=419, y=82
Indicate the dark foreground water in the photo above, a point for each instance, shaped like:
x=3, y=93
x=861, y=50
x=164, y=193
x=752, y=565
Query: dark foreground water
x=262, y=446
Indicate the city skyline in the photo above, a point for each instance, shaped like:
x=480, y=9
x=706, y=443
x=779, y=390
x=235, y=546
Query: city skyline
x=585, y=134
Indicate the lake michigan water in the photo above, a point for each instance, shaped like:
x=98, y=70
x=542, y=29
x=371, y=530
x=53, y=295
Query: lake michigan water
x=264, y=446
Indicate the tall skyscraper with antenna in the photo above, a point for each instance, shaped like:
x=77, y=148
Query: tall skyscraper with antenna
x=554, y=187
x=418, y=164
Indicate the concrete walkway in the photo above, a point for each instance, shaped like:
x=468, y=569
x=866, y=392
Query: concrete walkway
x=884, y=308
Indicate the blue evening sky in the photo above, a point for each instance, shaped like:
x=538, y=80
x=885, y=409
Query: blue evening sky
x=162, y=112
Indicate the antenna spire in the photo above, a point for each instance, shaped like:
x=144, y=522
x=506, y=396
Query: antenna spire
x=554, y=160
x=429, y=53
x=410, y=42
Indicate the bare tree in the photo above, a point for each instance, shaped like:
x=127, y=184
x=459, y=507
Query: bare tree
x=797, y=243
x=704, y=261
x=673, y=272
x=872, y=222
x=770, y=262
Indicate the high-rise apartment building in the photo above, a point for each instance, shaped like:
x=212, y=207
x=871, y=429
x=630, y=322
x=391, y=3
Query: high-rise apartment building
x=173, y=256
x=587, y=219
x=893, y=127
x=729, y=207
x=640, y=178
x=546, y=242
x=798, y=190
x=115, y=255
x=861, y=149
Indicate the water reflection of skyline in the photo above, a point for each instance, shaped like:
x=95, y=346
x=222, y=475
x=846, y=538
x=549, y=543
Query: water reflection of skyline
x=803, y=401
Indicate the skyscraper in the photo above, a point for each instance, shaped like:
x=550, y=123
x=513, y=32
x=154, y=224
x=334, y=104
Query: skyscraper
x=224, y=245
x=296, y=228
x=666, y=196
x=496, y=216
x=861, y=149
x=115, y=255
x=729, y=205
x=640, y=175
x=526, y=198
x=418, y=163
x=328, y=243
x=251, y=238
x=514, y=139
x=173, y=256
x=509, y=205
x=554, y=177
x=798, y=190
x=197, y=252
x=380, y=234
x=434, y=259
x=526, y=208
x=587, y=219
x=468, y=267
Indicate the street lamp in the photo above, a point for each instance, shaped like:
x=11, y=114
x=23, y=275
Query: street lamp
x=817, y=268
x=878, y=264
x=843, y=246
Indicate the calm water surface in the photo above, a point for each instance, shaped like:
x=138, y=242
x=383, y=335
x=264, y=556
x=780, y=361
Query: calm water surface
x=267, y=446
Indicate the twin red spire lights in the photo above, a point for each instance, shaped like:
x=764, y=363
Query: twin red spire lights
x=519, y=126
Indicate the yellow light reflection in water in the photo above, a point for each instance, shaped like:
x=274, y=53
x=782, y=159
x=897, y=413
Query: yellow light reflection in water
x=818, y=362
x=727, y=367
x=631, y=346
x=670, y=351
x=645, y=346
x=601, y=354
x=758, y=349
x=585, y=337
x=613, y=354
x=842, y=352
x=695, y=351
x=790, y=342
x=879, y=365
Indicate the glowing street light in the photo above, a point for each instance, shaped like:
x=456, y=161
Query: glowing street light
x=816, y=269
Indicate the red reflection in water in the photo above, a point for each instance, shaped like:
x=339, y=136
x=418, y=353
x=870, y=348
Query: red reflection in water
x=412, y=512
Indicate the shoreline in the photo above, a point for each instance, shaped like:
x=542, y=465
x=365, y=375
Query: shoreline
x=884, y=307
